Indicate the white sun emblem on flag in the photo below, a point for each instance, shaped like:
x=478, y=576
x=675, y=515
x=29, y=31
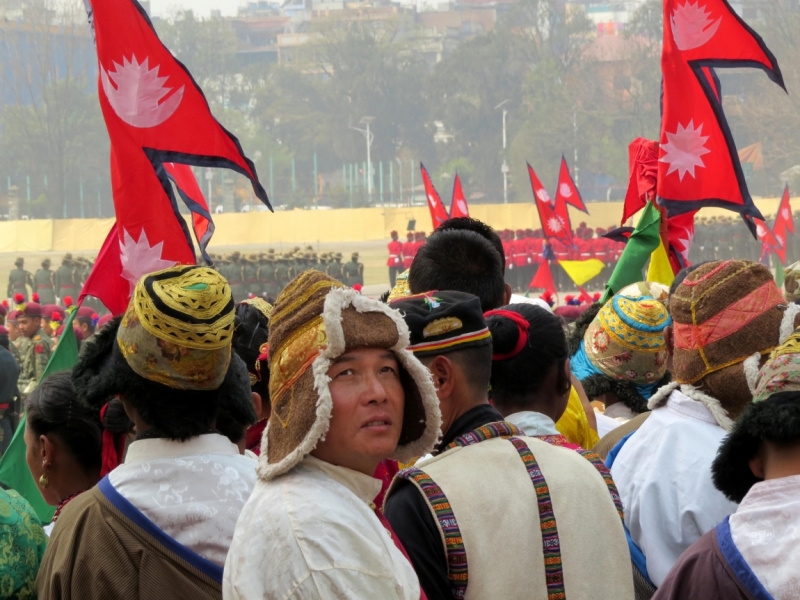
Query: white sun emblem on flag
x=692, y=25
x=760, y=231
x=786, y=213
x=462, y=206
x=780, y=239
x=432, y=200
x=554, y=225
x=565, y=190
x=684, y=149
x=140, y=258
x=543, y=195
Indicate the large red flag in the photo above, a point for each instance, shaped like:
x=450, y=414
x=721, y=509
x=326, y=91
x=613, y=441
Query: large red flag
x=698, y=162
x=642, y=175
x=554, y=219
x=438, y=211
x=784, y=223
x=192, y=196
x=680, y=234
x=567, y=191
x=458, y=206
x=155, y=114
x=543, y=279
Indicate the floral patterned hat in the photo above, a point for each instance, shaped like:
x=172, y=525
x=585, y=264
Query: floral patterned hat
x=791, y=282
x=781, y=373
x=626, y=339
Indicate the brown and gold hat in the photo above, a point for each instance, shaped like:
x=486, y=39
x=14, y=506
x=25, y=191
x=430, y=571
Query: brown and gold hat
x=178, y=328
x=314, y=320
x=723, y=313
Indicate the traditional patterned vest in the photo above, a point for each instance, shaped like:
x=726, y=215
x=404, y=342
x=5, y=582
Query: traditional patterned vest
x=520, y=518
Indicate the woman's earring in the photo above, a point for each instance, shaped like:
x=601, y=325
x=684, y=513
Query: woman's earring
x=43, y=481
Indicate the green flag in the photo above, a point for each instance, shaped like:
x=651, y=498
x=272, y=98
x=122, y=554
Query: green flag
x=13, y=467
x=644, y=239
x=779, y=272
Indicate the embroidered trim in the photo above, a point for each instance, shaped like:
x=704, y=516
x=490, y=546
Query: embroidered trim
x=737, y=562
x=457, y=570
x=500, y=429
x=551, y=544
x=598, y=464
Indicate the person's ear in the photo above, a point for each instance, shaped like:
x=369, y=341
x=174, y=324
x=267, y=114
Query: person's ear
x=757, y=465
x=443, y=372
x=669, y=340
x=507, y=294
x=46, y=450
x=257, y=404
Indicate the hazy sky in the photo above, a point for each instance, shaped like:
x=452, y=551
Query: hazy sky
x=202, y=8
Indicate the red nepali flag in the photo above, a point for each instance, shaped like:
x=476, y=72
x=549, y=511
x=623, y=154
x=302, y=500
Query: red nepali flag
x=554, y=219
x=784, y=223
x=643, y=173
x=680, y=235
x=698, y=163
x=768, y=241
x=155, y=114
x=458, y=206
x=567, y=191
x=438, y=211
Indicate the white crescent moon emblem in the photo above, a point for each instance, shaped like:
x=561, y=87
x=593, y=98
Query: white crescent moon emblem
x=134, y=91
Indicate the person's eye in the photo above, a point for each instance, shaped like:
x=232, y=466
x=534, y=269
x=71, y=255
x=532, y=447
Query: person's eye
x=345, y=373
x=389, y=369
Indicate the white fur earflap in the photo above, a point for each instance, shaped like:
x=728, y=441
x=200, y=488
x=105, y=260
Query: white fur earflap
x=661, y=395
x=787, y=323
x=336, y=301
x=751, y=367
x=712, y=404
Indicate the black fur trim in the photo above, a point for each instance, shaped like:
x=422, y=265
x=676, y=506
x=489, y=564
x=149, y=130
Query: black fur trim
x=580, y=326
x=597, y=385
x=102, y=373
x=776, y=419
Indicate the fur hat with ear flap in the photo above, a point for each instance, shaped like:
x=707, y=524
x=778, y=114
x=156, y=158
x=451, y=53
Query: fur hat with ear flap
x=315, y=320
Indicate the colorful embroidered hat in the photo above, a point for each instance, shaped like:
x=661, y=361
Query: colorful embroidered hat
x=316, y=319
x=791, y=282
x=655, y=290
x=401, y=288
x=723, y=313
x=250, y=338
x=178, y=328
x=441, y=322
x=773, y=416
x=625, y=341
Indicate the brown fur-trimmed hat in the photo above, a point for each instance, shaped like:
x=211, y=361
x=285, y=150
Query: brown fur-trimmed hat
x=723, y=313
x=314, y=320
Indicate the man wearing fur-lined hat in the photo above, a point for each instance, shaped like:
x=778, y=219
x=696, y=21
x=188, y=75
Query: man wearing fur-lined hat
x=346, y=394
x=726, y=316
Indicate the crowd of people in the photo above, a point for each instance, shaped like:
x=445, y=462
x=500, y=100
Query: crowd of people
x=450, y=440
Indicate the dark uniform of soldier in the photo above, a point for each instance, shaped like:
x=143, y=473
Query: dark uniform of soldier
x=353, y=272
x=269, y=278
x=284, y=272
x=236, y=277
x=18, y=280
x=44, y=283
x=65, y=279
x=250, y=274
x=334, y=268
x=34, y=346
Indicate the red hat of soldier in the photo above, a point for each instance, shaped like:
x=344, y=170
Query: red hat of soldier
x=32, y=309
x=410, y=235
x=84, y=312
x=49, y=309
x=13, y=316
x=103, y=320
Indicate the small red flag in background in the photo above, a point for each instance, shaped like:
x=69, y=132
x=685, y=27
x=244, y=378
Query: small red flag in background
x=643, y=171
x=698, y=163
x=458, y=206
x=155, y=114
x=190, y=193
x=567, y=190
x=554, y=219
x=768, y=241
x=784, y=222
x=543, y=279
x=438, y=211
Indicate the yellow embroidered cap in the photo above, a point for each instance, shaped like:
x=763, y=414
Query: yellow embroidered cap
x=178, y=328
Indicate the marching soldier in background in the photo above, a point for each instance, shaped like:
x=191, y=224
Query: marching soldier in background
x=44, y=283
x=250, y=274
x=409, y=250
x=236, y=277
x=34, y=347
x=18, y=280
x=284, y=272
x=65, y=278
x=335, y=267
x=269, y=275
x=395, y=262
x=353, y=271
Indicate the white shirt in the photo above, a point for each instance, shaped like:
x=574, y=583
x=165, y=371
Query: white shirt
x=663, y=474
x=605, y=423
x=312, y=533
x=619, y=412
x=534, y=424
x=766, y=531
x=193, y=490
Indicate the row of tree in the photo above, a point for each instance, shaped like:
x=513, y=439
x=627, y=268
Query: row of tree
x=564, y=90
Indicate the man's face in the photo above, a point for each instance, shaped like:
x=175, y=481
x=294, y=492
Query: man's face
x=13, y=330
x=367, y=416
x=28, y=326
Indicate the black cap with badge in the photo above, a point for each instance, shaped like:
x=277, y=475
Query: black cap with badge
x=445, y=321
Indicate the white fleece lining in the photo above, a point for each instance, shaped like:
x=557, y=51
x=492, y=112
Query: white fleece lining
x=787, y=323
x=751, y=367
x=336, y=301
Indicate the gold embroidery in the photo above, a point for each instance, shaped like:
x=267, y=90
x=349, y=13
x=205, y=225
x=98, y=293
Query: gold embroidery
x=442, y=326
